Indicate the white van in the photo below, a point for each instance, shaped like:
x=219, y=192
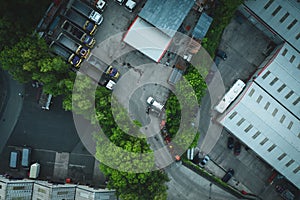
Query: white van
x=155, y=104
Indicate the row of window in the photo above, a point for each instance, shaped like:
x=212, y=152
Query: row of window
x=292, y=58
x=264, y=141
x=283, y=18
x=275, y=111
x=287, y=96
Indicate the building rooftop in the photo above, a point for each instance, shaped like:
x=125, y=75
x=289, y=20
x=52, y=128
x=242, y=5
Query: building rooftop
x=166, y=15
x=266, y=115
x=202, y=26
x=282, y=16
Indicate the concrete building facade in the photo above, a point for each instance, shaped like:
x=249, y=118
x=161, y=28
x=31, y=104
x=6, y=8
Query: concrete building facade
x=15, y=189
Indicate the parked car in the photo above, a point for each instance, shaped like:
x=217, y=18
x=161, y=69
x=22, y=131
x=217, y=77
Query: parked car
x=120, y=1
x=222, y=54
x=14, y=159
x=230, y=143
x=237, y=148
x=154, y=104
x=101, y=4
x=130, y=5
x=228, y=175
x=204, y=161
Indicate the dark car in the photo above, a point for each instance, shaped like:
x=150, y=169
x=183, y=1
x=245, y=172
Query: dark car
x=221, y=54
x=230, y=143
x=228, y=175
x=237, y=148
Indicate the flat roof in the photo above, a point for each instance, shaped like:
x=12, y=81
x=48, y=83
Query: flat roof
x=202, y=26
x=270, y=130
x=166, y=15
x=147, y=39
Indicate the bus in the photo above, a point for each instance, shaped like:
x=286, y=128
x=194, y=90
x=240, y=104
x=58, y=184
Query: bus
x=230, y=96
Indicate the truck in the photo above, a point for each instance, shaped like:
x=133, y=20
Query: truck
x=77, y=33
x=97, y=74
x=34, y=171
x=87, y=11
x=66, y=54
x=79, y=20
x=80, y=50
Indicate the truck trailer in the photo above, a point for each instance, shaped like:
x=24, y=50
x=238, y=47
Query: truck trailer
x=77, y=33
x=87, y=11
x=80, y=50
x=66, y=54
x=79, y=20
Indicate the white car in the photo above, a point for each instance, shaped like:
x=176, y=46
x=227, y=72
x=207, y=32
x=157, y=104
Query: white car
x=120, y=1
x=130, y=5
x=101, y=5
x=204, y=161
x=96, y=17
x=154, y=104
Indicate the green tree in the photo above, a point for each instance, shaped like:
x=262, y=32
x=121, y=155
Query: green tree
x=29, y=59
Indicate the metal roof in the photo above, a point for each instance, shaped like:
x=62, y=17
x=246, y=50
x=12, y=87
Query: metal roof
x=262, y=123
x=266, y=116
x=147, y=39
x=279, y=15
x=280, y=78
x=166, y=15
x=202, y=26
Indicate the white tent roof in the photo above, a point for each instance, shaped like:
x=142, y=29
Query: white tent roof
x=147, y=39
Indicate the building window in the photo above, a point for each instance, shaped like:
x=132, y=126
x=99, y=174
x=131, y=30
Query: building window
x=264, y=141
x=248, y=128
x=298, y=36
x=251, y=92
x=41, y=190
x=19, y=188
x=292, y=59
x=281, y=156
x=259, y=99
x=267, y=105
x=298, y=66
x=284, y=17
x=292, y=24
x=275, y=112
x=233, y=115
x=297, y=101
x=268, y=4
x=282, y=118
x=256, y=134
x=62, y=193
x=289, y=163
x=289, y=94
x=290, y=125
x=240, y=122
x=276, y=10
x=299, y=135
x=296, y=170
x=266, y=75
x=284, y=52
x=274, y=81
x=271, y=148
x=281, y=87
